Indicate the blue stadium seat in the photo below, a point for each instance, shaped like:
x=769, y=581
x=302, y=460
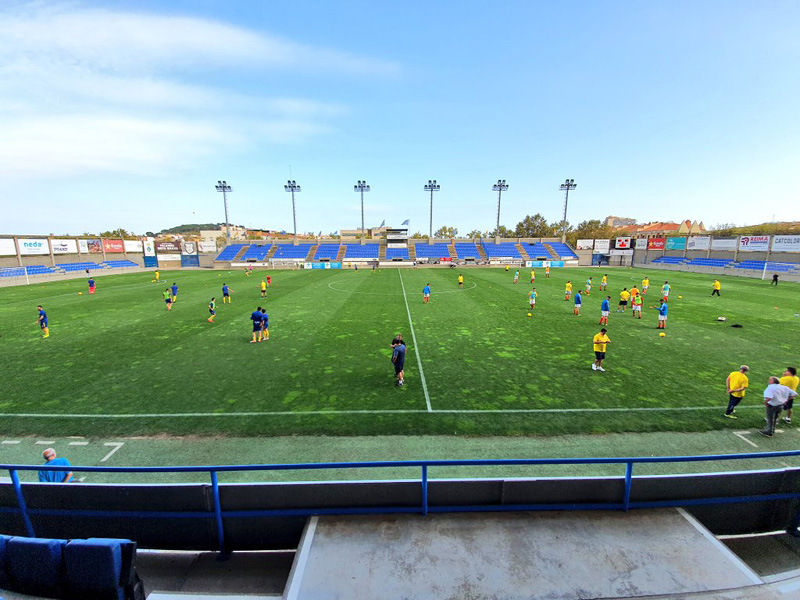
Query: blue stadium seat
x=537, y=250
x=670, y=260
x=710, y=262
x=563, y=250
x=116, y=264
x=230, y=252
x=501, y=250
x=94, y=568
x=432, y=250
x=257, y=252
x=299, y=251
x=4, y=582
x=362, y=251
x=12, y=272
x=35, y=566
x=327, y=251
x=466, y=250
x=79, y=266
x=401, y=253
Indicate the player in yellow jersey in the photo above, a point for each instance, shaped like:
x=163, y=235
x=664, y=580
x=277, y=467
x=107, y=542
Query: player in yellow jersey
x=791, y=381
x=158, y=276
x=547, y=269
x=567, y=290
x=604, y=282
x=263, y=288
x=600, y=342
x=624, y=296
x=736, y=385
x=645, y=285
x=460, y=281
x=533, y=276
x=716, y=287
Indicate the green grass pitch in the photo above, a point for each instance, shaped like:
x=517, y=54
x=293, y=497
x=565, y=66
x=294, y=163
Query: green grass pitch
x=489, y=369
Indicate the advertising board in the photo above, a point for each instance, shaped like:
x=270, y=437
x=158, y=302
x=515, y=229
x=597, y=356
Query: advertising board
x=723, y=243
x=168, y=247
x=169, y=258
x=188, y=248
x=786, y=243
x=31, y=246
x=754, y=243
x=623, y=243
x=7, y=248
x=64, y=246
x=93, y=247
x=699, y=242
x=133, y=246
x=322, y=265
x=149, y=247
x=207, y=246
x=602, y=246
x=620, y=252
x=641, y=243
x=676, y=243
x=656, y=243
x=114, y=246
x=584, y=244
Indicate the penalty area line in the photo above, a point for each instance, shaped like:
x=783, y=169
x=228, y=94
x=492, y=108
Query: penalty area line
x=416, y=346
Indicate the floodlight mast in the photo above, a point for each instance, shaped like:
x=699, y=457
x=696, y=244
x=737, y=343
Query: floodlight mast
x=222, y=186
x=565, y=187
x=431, y=187
x=362, y=187
x=291, y=186
x=499, y=187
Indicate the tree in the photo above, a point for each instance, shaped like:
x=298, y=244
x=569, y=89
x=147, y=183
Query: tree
x=221, y=241
x=590, y=230
x=419, y=236
x=723, y=229
x=533, y=226
x=503, y=232
x=474, y=234
x=446, y=232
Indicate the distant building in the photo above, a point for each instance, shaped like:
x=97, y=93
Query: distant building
x=354, y=234
x=661, y=229
x=615, y=222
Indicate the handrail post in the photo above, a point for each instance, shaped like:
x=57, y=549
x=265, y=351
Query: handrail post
x=23, y=508
x=628, y=476
x=425, y=490
x=218, y=512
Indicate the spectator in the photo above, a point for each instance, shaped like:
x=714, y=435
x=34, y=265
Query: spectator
x=736, y=385
x=791, y=381
x=47, y=476
x=775, y=396
x=774, y=279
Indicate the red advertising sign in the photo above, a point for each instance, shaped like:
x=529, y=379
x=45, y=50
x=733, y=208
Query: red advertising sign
x=623, y=243
x=656, y=243
x=114, y=246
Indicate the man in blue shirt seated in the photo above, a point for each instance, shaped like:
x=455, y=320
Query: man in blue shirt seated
x=55, y=476
x=256, y=319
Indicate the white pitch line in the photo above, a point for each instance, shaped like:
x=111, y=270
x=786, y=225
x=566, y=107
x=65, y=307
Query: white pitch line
x=741, y=434
x=416, y=346
x=78, y=444
x=10, y=442
x=45, y=442
x=117, y=445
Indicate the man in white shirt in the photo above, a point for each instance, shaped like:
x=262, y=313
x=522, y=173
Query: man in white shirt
x=775, y=396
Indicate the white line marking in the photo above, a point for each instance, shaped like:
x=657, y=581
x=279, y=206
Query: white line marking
x=45, y=442
x=416, y=346
x=117, y=445
x=300, y=560
x=81, y=479
x=10, y=441
x=741, y=434
x=280, y=413
x=466, y=289
x=78, y=444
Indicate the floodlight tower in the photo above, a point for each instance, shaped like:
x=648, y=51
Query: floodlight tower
x=291, y=186
x=222, y=186
x=431, y=187
x=362, y=187
x=499, y=187
x=565, y=187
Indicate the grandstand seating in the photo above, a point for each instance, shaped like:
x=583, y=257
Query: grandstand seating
x=362, y=251
x=32, y=270
x=502, y=250
x=432, y=250
x=563, y=250
x=758, y=265
x=12, y=272
x=537, y=250
x=257, y=252
x=327, y=251
x=670, y=260
x=299, y=251
x=230, y=252
x=711, y=262
x=79, y=266
x=466, y=250
x=117, y=264
x=392, y=253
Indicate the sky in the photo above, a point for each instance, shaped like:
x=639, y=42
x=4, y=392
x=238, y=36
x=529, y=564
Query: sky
x=125, y=113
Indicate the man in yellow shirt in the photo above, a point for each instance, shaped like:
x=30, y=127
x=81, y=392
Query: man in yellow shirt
x=604, y=282
x=624, y=296
x=533, y=276
x=736, y=385
x=567, y=290
x=460, y=280
x=790, y=380
x=600, y=341
x=645, y=285
x=716, y=287
x=263, y=289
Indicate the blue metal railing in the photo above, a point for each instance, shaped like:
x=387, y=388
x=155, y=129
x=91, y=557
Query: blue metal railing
x=219, y=514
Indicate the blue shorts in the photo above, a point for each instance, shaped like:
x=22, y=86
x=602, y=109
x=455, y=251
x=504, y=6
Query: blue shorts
x=168, y=300
x=398, y=366
x=42, y=324
x=225, y=295
x=256, y=327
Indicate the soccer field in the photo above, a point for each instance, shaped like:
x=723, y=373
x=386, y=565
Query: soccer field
x=117, y=363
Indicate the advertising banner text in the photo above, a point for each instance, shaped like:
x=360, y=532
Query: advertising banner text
x=676, y=243
x=64, y=246
x=656, y=243
x=114, y=246
x=584, y=244
x=754, y=243
x=699, y=242
x=133, y=246
x=30, y=246
x=786, y=243
x=602, y=246
x=7, y=248
x=723, y=243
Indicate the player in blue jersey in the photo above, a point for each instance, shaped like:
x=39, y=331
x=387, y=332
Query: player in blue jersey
x=605, y=308
x=42, y=320
x=426, y=294
x=226, y=294
x=532, y=298
x=91, y=285
x=662, y=314
x=174, y=290
x=256, y=319
x=265, y=324
x=577, y=310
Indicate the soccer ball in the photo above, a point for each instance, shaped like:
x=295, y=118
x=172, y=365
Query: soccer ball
x=530, y=314
x=680, y=297
x=662, y=334
x=80, y=293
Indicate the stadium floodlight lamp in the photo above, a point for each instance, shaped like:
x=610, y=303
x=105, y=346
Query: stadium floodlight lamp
x=222, y=186
x=361, y=187
x=431, y=187
x=291, y=186
x=569, y=184
x=499, y=187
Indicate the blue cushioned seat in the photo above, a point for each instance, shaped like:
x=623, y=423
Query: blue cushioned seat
x=4, y=583
x=35, y=566
x=93, y=568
